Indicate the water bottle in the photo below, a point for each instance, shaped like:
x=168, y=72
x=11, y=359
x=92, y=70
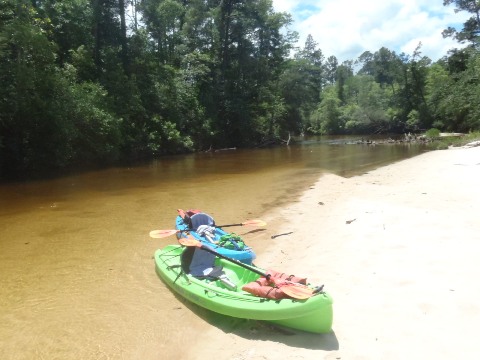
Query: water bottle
x=228, y=283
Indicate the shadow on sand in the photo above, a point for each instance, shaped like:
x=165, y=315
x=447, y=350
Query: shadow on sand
x=264, y=331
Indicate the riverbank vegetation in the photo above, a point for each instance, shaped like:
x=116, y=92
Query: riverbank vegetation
x=456, y=140
x=94, y=82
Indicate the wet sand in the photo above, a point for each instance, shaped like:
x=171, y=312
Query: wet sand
x=397, y=248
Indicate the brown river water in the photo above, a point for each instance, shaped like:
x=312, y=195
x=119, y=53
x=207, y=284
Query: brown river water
x=77, y=276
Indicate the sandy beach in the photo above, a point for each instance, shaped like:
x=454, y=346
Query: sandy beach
x=397, y=248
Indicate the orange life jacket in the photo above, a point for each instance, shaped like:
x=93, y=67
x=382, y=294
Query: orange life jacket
x=272, y=288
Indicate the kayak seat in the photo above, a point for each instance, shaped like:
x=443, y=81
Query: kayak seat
x=200, y=263
x=201, y=219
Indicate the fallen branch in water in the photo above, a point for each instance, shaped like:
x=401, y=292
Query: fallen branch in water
x=226, y=149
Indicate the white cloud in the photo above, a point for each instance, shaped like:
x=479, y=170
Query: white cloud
x=347, y=28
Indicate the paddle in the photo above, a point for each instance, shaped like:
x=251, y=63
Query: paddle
x=294, y=290
x=254, y=222
x=158, y=234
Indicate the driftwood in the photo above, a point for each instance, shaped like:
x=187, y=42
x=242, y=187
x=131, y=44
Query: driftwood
x=217, y=150
x=226, y=149
x=271, y=141
x=289, y=138
x=274, y=236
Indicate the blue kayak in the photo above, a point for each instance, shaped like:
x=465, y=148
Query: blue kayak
x=202, y=227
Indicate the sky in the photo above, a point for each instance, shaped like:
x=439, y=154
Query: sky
x=347, y=28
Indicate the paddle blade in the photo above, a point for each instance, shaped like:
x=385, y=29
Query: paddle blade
x=158, y=234
x=297, y=292
x=189, y=241
x=181, y=213
x=254, y=222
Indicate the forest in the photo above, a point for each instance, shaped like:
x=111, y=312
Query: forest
x=89, y=83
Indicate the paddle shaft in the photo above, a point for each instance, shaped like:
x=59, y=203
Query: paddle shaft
x=253, y=222
x=222, y=226
x=296, y=292
x=218, y=226
x=158, y=234
x=229, y=225
x=301, y=293
x=239, y=263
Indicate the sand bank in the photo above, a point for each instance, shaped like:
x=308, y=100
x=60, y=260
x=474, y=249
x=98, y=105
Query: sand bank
x=398, y=249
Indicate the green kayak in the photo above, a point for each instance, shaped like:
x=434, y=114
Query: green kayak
x=224, y=295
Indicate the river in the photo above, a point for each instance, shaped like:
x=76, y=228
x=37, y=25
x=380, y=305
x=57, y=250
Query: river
x=77, y=275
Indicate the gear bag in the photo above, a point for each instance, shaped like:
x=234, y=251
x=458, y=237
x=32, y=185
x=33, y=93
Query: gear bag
x=231, y=241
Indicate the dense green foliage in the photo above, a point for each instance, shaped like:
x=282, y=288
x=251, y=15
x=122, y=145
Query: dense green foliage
x=92, y=82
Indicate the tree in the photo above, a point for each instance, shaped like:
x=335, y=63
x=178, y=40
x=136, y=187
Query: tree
x=344, y=72
x=164, y=22
x=313, y=67
x=438, y=86
x=28, y=75
x=251, y=49
x=383, y=65
x=418, y=69
x=70, y=24
x=366, y=60
x=40, y=100
x=295, y=92
x=326, y=119
x=367, y=103
x=301, y=85
x=330, y=70
x=454, y=98
x=471, y=28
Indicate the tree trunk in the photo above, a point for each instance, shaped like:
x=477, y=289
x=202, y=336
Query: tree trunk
x=123, y=37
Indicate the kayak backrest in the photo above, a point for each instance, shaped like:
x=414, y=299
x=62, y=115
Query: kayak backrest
x=186, y=215
x=201, y=219
x=186, y=259
x=198, y=262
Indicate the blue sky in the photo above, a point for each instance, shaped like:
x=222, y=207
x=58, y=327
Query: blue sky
x=347, y=28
